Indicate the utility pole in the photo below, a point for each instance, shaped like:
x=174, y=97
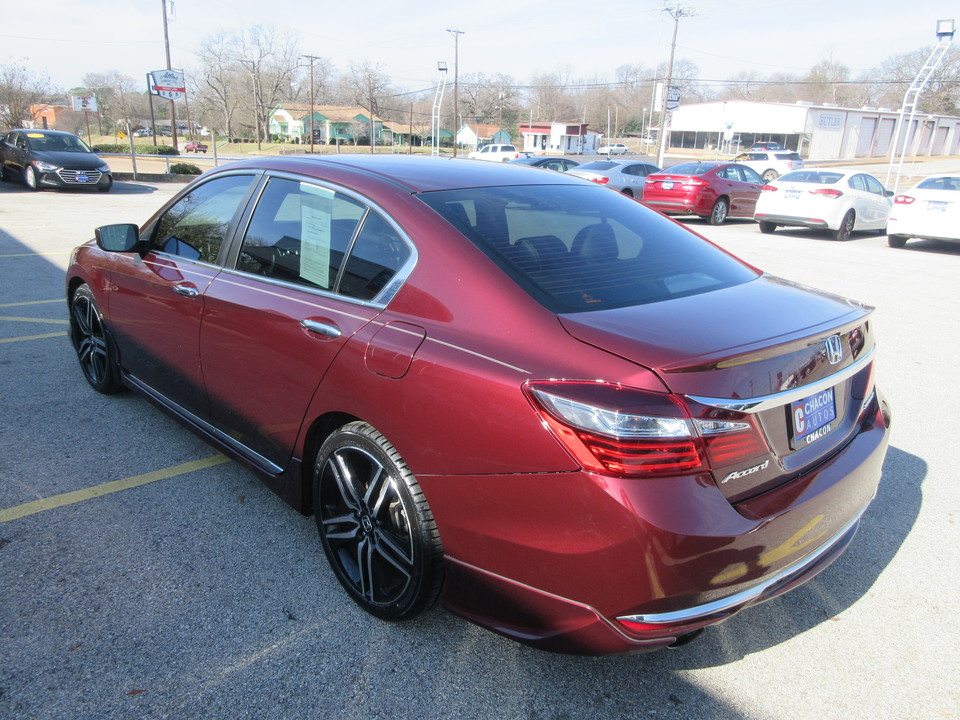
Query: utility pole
x=311, y=58
x=676, y=11
x=255, y=74
x=173, y=103
x=456, y=84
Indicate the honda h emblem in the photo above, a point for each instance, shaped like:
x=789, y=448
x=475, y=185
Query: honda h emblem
x=834, y=349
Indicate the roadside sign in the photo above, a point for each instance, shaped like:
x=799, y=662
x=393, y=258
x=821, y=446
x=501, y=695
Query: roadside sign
x=84, y=102
x=168, y=84
x=673, y=97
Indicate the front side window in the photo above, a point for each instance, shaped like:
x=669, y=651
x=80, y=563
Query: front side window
x=196, y=225
x=577, y=249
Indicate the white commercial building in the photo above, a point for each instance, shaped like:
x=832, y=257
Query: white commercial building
x=819, y=132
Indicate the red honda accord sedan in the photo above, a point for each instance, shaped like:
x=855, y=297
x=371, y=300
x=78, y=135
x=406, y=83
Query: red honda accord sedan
x=567, y=417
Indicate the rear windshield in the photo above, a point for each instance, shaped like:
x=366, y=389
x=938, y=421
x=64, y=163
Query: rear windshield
x=688, y=169
x=819, y=177
x=941, y=183
x=579, y=248
x=597, y=165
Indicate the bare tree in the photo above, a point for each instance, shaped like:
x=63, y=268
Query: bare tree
x=217, y=84
x=19, y=89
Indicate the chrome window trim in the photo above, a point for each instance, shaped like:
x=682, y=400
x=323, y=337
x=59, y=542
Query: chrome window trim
x=386, y=294
x=766, y=402
x=743, y=597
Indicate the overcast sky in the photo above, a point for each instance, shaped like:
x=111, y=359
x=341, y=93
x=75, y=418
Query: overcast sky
x=65, y=39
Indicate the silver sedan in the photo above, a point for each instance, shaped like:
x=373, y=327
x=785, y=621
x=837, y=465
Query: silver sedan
x=627, y=176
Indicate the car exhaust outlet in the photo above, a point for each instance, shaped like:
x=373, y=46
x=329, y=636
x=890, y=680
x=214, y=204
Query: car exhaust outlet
x=685, y=639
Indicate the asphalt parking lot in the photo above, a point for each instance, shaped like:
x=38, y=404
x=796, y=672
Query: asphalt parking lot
x=144, y=576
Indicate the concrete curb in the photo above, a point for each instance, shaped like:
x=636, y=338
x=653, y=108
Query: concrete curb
x=154, y=177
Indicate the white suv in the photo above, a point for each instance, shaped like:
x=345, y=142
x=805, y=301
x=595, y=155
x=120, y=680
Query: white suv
x=495, y=153
x=615, y=149
x=770, y=164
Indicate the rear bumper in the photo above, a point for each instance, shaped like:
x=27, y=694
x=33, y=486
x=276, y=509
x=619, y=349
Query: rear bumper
x=793, y=220
x=615, y=566
x=677, y=207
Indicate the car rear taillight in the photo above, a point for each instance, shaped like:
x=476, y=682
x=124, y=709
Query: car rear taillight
x=904, y=200
x=827, y=192
x=627, y=432
x=601, y=180
x=769, y=188
x=693, y=182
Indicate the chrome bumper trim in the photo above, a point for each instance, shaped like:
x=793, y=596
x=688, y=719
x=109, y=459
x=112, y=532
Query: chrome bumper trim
x=717, y=607
x=766, y=402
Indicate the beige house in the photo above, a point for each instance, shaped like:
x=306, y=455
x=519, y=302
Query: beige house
x=331, y=123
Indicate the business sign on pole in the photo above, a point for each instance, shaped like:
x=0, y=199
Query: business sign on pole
x=673, y=97
x=168, y=84
x=84, y=102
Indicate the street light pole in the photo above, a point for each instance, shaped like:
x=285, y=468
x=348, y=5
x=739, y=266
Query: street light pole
x=311, y=58
x=456, y=84
x=256, y=100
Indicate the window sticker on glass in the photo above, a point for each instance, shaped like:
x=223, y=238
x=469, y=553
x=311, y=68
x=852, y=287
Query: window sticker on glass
x=316, y=209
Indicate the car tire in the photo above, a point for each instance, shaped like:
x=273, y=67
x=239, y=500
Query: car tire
x=106, y=188
x=30, y=178
x=718, y=215
x=843, y=232
x=770, y=174
x=767, y=227
x=896, y=241
x=375, y=526
x=94, y=348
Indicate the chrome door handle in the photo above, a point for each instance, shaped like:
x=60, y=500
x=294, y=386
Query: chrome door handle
x=186, y=291
x=323, y=329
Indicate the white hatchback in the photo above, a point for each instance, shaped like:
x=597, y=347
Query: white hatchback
x=929, y=211
x=840, y=200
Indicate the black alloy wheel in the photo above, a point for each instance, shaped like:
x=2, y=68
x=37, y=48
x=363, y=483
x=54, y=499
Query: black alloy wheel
x=719, y=213
x=843, y=232
x=90, y=340
x=375, y=525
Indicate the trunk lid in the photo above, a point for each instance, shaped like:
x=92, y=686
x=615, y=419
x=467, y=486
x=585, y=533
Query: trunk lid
x=760, y=347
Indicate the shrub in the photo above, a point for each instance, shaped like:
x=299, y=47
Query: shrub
x=185, y=169
x=138, y=149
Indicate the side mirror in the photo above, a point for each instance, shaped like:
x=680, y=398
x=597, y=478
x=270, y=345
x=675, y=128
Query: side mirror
x=888, y=193
x=123, y=237
x=95, y=149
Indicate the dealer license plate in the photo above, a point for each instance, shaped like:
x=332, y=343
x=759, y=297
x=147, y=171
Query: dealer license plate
x=791, y=194
x=813, y=417
x=667, y=185
x=937, y=206
x=82, y=178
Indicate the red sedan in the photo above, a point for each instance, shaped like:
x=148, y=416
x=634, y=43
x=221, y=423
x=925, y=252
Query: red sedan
x=568, y=418
x=711, y=190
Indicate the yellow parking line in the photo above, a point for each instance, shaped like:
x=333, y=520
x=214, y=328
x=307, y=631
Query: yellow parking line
x=32, y=302
x=50, y=321
x=36, y=506
x=32, y=337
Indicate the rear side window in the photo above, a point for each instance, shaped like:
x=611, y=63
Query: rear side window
x=578, y=249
